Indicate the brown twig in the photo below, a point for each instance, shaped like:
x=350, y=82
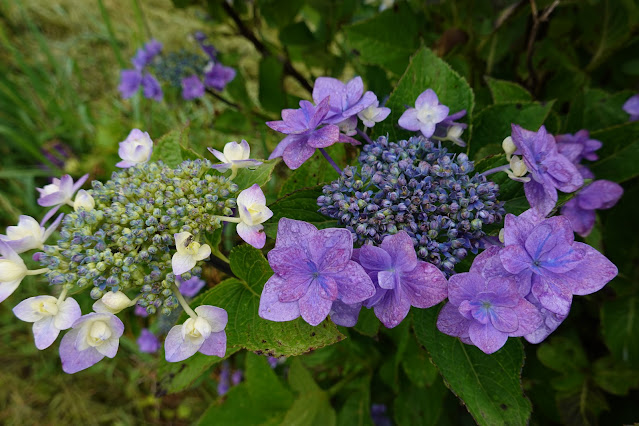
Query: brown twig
x=289, y=69
x=537, y=20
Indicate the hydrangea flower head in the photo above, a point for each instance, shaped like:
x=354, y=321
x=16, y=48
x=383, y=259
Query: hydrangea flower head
x=578, y=146
x=546, y=256
x=217, y=76
x=135, y=149
x=49, y=316
x=400, y=279
x=151, y=88
x=313, y=268
x=600, y=194
x=550, y=171
x=203, y=333
x=304, y=136
x=192, y=88
x=485, y=312
x=93, y=337
x=345, y=99
x=28, y=234
x=188, y=253
x=234, y=156
x=426, y=114
x=631, y=106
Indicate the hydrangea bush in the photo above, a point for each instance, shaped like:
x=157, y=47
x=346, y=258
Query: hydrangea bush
x=424, y=247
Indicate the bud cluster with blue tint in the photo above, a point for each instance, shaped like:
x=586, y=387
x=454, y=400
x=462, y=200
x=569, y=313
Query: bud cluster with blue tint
x=417, y=186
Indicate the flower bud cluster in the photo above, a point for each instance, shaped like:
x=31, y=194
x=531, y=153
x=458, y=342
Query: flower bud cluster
x=416, y=186
x=127, y=240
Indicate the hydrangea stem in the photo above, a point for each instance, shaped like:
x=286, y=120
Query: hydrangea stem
x=37, y=271
x=63, y=295
x=183, y=302
x=364, y=135
x=229, y=219
x=331, y=161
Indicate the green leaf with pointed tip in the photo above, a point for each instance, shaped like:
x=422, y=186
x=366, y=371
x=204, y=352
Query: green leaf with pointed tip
x=265, y=389
x=168, y=148
x=314, y=171
x=300, y=205
x=506, y=91
x=425, y=71
x=356, y=410
x=312, y=406
x=493, y=123
x=259, y=175
x=420, y=406
x=489, y=385
x=620, y=327
x=595, y=109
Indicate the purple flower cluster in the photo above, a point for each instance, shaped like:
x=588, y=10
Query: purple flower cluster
x=332, y=119
x=554, y=164
x=524, y=288
x=191, y=73
x=318, y=273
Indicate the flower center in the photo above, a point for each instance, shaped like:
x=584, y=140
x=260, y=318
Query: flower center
x=425, y=115
x=98, y=333
x=196, y=328
x=47, y=308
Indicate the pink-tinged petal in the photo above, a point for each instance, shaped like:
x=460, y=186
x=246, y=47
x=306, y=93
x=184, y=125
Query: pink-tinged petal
x=331, y=249
x=109, y=347
x=354, y=89
x=313, y=308
x=591, y=274
x=367, y=100
x=182, y=263
x=324, y=137
x=285, y=143
x=218, y=155
x=464, y=286
x=424, y=286
x=409, y=120
x=252, y=195
x=485, y=259
x=79, y=183
x=68, y=312
x=353, y=284
x=401, y=250
x=297, y=153
x=387, y=279
x=176, y=348
x=287, y=262
x=124, y=164
x=451, y=322
x=327, y=287
x=344, y=314
x=215, y=344
x=74, y=360
x=553, y=293
x=427, y=129
x=392, y=308
x=45, y=332
x=246, y=163
x=504, y=319
x=426, y=98
x=7, y=288
x=347, y=139
x=217, y=317
x=550, y=322
x=291, y=232
x=515, y=259
x=270, y=306
x=117, y=326
x=53, y=199
x=253, y=235
x=374, y=258
x=529, y=318
x=486, y=337
x=541, y=197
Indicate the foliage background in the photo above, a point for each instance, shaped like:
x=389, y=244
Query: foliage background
x=571, y=69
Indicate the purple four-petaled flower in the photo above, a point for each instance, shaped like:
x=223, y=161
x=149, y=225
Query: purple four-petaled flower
x=345, y=99
x=192, y=88
x=313, y=268
x=578, y=146
x=601, y=194
x=426, y=114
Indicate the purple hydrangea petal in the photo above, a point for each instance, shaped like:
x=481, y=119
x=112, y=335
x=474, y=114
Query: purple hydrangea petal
x=401, y=250
x=270, y=306
x=504, y=319
x=291, y=233
x=486, y=337
x=530, y=319
x=7, y=288
x=353, y=284
x=215, y=344
x=176, y=347
x=451, y=322
x=219, y=76
x=45, y=332
x=324, y=137
x=151, y=88
x=600, y=194
x=464, y=286
x=332, y=249
x=130, y=81
x=68, y=312
x=374, y=258
x=409, y=121
x=392, y=308
x=314, y=308
x=424, y=286
x=192, y=286
x=192, y=88
x=148, y=342
x=344, y=314
x=553, y=293
x=217, y=317
x=74, y=360
x=387, y=280
x=631, y=106
x=297, y=152
x=253, y=235
x=592, y=273
x=542, y=198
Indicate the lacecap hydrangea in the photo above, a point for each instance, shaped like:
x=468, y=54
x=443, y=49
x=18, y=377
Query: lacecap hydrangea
x=417, y=186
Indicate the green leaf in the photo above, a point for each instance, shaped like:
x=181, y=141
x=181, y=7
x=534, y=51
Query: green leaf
x=312, y=407
x=264, y=387
x=417, y=365
x=300, y=205
x=259, y=175
x=240, y=297
x=356, y=410
x=425, y=71
x=489, y=385
x=620, y=327
x=506, y=91
x=562, y=354
x=420, y=405
x=615, y=377
x=378, y=41
x=300, y=379
x=271, y=92
x=234, y=122
x=367, y=323
x=595, y=109
x=168, y=148
x=314, y=171
x=493, y=123
x=238, y=408
x=297, y=34
x=279, y=12
x=619, y=155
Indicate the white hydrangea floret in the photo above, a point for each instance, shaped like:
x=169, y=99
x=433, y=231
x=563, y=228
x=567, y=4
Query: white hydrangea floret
x=112, y=302
x=135, y=149
x=188, y=253
x=251, y=204
x=49, y=315
x=28, y=234
x=234, y=156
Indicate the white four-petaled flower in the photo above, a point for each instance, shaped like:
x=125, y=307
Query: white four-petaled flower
x=93, y=337
x=188, y=253
x=251, y=204
x=135, y=149
x=59, y=192
x=48, y=315
x=12, y=270
x=426, y=114
x=28, y=234
x=203, y=332
x=235, y=156
x=373, y=114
